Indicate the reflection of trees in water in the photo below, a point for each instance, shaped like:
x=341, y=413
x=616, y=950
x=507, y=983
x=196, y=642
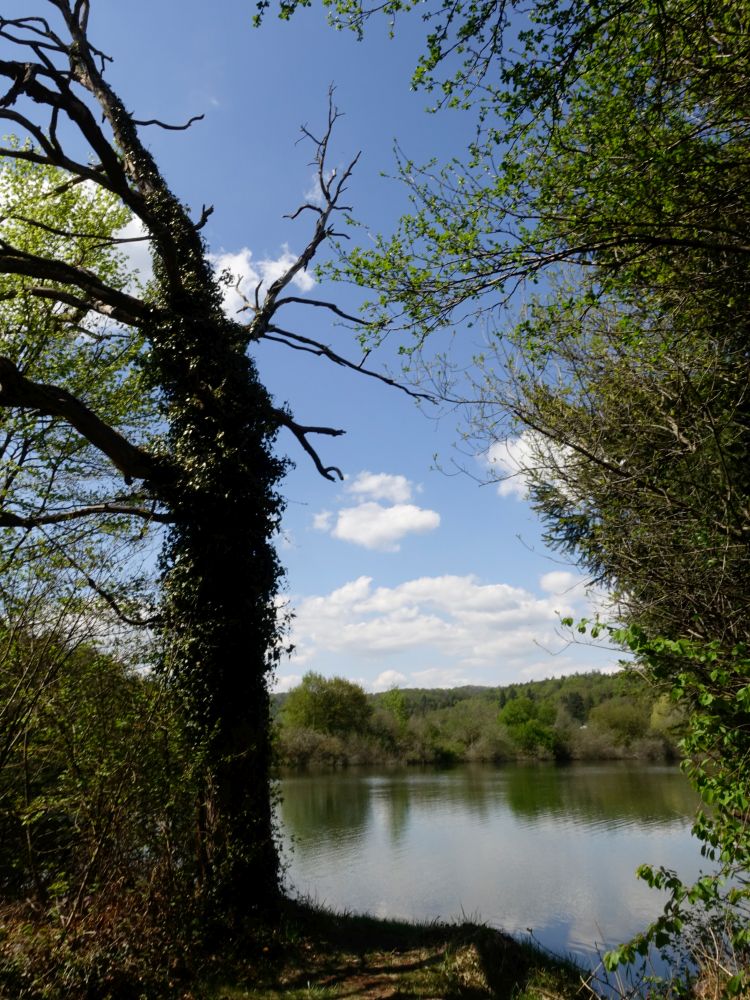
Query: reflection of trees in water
x=324, y=806
x=396, y=798
x=601, y=793
x=473, y=787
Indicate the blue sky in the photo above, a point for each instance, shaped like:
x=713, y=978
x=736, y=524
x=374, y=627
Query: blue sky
x=401, y=574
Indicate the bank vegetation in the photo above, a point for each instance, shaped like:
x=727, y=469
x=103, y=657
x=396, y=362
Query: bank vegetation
x=332, y=722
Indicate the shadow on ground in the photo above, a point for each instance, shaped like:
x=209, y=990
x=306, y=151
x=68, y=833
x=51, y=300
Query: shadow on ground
x=314, y=953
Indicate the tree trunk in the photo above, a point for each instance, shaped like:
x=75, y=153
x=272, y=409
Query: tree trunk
x=221, y=576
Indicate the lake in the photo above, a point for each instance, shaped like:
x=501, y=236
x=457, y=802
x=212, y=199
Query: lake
x=541, y=848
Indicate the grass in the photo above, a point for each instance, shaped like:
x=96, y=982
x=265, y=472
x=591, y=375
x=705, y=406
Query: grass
x=313, y=954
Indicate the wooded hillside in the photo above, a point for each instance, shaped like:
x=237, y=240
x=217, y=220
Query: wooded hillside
x=588, y=716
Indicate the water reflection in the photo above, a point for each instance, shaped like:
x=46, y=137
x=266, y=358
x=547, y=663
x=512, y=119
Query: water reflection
x=603, y=794
x=326, y=806
x=549, y=848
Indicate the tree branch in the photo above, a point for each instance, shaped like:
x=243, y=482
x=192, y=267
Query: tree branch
x=131, y=309
x=331, y=193
x=18, y=391
x=330, y=472
x=300, y=343
x=171, y=128
x=11, y=520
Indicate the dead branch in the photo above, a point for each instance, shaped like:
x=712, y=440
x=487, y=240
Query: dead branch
x=171, y=128
x=330, y=472
x=300, y=343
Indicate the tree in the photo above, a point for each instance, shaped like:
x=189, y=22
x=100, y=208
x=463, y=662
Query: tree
x=206, y=468
x=327, y=705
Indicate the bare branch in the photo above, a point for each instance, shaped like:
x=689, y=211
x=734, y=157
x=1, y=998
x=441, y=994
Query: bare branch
x=206, y=212
x=288, y=299
x=300, y=343
x=300, y=431
x=171, y=128
x=331, y=193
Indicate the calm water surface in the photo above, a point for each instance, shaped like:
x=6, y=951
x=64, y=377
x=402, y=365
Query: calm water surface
x=522, y=847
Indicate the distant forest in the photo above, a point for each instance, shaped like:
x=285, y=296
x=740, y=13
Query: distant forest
x=334, y=722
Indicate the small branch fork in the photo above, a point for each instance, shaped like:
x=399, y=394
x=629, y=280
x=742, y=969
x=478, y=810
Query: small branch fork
x=331, y=190
x=330, y=472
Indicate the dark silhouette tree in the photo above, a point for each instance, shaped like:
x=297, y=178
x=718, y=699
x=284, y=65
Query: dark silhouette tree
x=205, y=467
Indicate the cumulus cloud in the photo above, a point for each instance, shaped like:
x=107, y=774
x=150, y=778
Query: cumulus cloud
x=287, y=682
x=244, y=269
x=323, y=521
x=451, y=628
x=248, y=274
x=374, y=524
x=137, y=253
x=561, y=581
x=314, y=193
x=436, y=677
x=381, y=486
x=514, y=462
x=388, y=679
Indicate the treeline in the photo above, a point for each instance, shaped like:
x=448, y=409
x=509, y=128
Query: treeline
x=590, y=716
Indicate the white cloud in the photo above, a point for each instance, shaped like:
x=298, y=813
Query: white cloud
x=137, y=253
x=561, y=666
x=287, y=540
x=249, y=274
x=450, y=629
x=434, y=677
x=514, y=461
x=376, y=527
x=381, y=486
x=388, y=679
x=287, y=681
x=561, y=581
x=323, y=520
x=314, y=194
x=373, y=524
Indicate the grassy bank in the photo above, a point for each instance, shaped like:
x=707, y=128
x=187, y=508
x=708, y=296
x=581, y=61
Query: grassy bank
x=317, y=954
x=303, y=952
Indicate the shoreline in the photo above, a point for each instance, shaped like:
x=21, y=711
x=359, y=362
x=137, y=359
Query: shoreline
x=318, y=953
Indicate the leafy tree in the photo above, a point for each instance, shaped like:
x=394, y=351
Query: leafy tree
x=575, y=706
x=517, y=711
x=327, y=705
x=201, y=463
x=394, y=701
x=625, y=719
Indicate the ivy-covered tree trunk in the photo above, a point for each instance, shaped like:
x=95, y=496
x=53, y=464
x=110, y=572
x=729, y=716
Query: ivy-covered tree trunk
x=220, y=570
x=207, y=468
x=220, y=577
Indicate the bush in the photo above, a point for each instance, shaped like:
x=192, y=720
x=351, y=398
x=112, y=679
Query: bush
x=97, y=854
